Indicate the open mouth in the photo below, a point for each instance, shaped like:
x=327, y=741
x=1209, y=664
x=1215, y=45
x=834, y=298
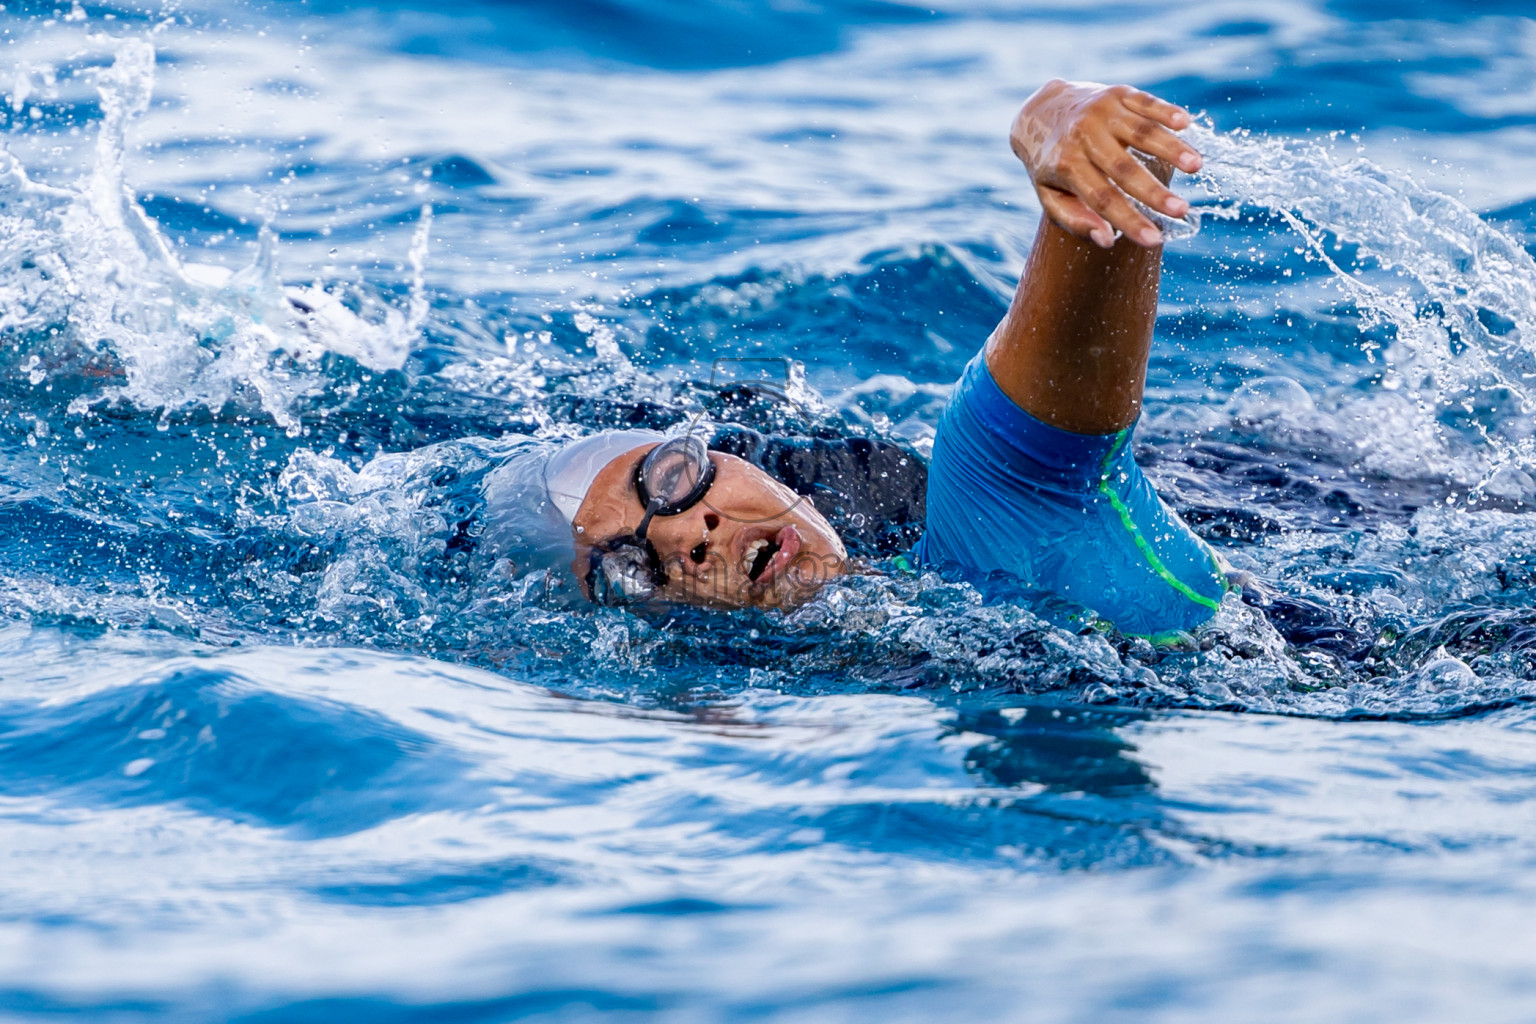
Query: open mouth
x=764, y=558
x=760, y=552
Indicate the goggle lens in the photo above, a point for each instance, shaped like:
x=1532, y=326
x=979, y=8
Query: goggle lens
x=675, y=476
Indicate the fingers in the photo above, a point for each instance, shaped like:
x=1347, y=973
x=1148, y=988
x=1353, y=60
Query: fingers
x=1100, y=196
x=1133, y=177
x=1072, y=214
x=1078, y=154
x=1088, y=203
x=1147, y=127
x=1147, y=105
x=1154, y=140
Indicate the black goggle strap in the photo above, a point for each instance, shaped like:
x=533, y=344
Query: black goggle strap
x=645, y=521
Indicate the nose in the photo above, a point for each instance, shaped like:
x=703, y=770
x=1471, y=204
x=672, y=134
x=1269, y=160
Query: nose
x=700, y=551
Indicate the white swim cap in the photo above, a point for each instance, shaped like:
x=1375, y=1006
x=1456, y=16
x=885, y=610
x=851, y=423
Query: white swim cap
x=569, y=472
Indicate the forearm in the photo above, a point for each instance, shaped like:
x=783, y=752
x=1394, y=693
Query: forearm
x=1072, y=349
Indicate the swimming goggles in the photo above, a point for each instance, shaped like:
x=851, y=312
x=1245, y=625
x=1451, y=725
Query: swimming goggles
x=672, y=478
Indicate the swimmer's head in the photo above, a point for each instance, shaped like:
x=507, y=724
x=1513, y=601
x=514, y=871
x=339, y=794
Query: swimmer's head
x=748, y=542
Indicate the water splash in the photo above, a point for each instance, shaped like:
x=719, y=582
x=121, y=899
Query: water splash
x=91, y=288
x=1455, y=296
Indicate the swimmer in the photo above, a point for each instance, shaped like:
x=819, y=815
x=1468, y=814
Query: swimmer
x=1031, y=478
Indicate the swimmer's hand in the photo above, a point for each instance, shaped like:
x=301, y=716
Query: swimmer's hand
x=1075, y=140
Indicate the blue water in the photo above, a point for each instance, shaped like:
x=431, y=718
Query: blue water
x=276, y=746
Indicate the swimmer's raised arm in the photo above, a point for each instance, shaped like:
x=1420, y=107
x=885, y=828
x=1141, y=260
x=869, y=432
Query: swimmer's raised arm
x=1072, y=350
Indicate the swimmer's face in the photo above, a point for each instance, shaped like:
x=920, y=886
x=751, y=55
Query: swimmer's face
x=751, y=542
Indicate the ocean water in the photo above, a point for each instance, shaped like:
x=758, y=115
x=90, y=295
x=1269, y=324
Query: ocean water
x=274, y=746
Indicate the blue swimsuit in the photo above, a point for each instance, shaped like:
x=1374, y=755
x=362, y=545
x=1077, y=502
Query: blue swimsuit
x=1012, y=498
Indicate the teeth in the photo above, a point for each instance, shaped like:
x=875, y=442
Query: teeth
x=750, y=555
